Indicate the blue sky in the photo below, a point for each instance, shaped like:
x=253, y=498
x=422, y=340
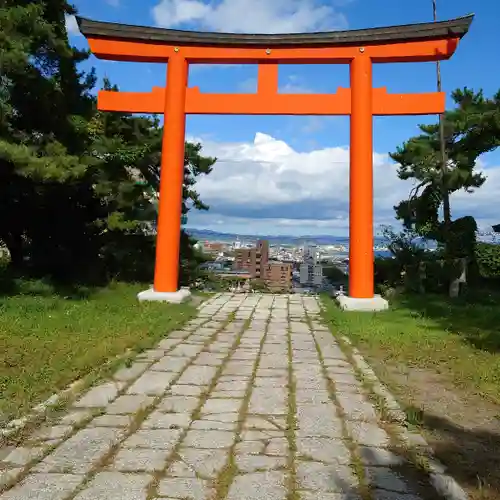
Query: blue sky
x=289, y=175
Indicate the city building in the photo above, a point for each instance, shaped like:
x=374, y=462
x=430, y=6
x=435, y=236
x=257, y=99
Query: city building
x=253, y=259
x=311, y=271
x=278, y=276
x=311, y=253
x=213, y=247
x=311, y=274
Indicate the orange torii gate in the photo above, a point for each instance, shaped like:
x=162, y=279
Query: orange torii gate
x=358, y=48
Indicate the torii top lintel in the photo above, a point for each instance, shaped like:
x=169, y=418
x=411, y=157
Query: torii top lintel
x=415, y=42
x=405, y=43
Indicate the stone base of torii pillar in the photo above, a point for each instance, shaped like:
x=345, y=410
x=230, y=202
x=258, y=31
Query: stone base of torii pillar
x=178, y=297
x=373, y=304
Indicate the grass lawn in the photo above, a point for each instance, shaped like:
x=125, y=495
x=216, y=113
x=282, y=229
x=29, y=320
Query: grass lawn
x=459, y=338
x=49, y=339
x=441, y=358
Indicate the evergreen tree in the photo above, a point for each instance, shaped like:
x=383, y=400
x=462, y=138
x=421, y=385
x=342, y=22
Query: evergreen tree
x=72, y=201
x=45, y=103
x=471, y=129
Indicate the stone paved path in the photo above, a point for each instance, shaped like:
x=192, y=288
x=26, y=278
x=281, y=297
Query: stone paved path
x=252, y=400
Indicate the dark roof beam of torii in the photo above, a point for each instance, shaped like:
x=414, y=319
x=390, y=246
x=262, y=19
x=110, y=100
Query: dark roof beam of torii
x=451, y=29
x=422, y=42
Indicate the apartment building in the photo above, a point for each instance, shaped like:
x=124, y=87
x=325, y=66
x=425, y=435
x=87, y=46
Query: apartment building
x=311, y=274
x=278, y=276
x=311, y=271
x=253, y=259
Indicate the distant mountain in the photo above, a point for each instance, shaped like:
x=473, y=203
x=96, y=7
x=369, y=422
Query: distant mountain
x=323, y=239
x=206, y=234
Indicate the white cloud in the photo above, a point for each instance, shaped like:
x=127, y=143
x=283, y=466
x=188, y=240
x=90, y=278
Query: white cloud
x=113, y=3
x=279, y=174
x=266, y=186
x=483, y=203
x=293, y=85
x=248, y=86
x=315, y=124
x=252, y=16
x=71, y=25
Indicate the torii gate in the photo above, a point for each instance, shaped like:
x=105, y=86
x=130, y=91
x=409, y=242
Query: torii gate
x=358, y=48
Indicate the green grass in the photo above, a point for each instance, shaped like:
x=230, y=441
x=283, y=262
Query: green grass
x=457, y=338
x=49, y=339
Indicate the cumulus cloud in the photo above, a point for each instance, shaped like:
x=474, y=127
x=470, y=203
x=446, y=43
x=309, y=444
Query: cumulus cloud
x=293, y=85
x=264, y=16
x=268, y=186
x=483, y=203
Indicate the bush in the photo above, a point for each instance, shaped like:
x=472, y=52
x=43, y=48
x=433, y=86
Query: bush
x=129, y=257
x=387, y=271
x=259, y=285
x=334, y=274
x=437, y=276
x=432, y=274
x=405, y=246
x=488, y=260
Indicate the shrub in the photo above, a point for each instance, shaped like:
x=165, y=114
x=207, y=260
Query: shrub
x=334, y=274
x=488, y=260
x=259, y=285
x=387, y=271
x=129, y=257
x=437, y=276
x=405, y=246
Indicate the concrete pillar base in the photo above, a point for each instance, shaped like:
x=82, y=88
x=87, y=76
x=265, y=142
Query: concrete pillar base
x=375, y=303
x=177, y=297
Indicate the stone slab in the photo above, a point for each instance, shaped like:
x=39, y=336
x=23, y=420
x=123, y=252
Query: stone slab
x=151, y=383
x=184, y=487
x=155, y=439
x=140, y=460
x=159, y=420
x=374, y=304
x=178, y=297
x=106, y=485
x=259, y=486
x=208, y=439
x=81, y=452
x=44, y=487
x=99, y=396
x=129, y=404
x=206, y=463
x=22, y=456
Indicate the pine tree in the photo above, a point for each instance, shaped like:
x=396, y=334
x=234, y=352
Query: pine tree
x=78, y=185
x=44, y=104
x=471, y=129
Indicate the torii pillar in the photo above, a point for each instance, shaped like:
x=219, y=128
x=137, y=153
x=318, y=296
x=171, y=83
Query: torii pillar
x=171, y=186
x=360, y=49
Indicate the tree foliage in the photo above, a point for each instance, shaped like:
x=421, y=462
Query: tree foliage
x=488, y=260
x=470, y=129
x=77, y=186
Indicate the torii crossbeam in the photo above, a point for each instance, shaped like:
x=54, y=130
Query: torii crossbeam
x=359, y=48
